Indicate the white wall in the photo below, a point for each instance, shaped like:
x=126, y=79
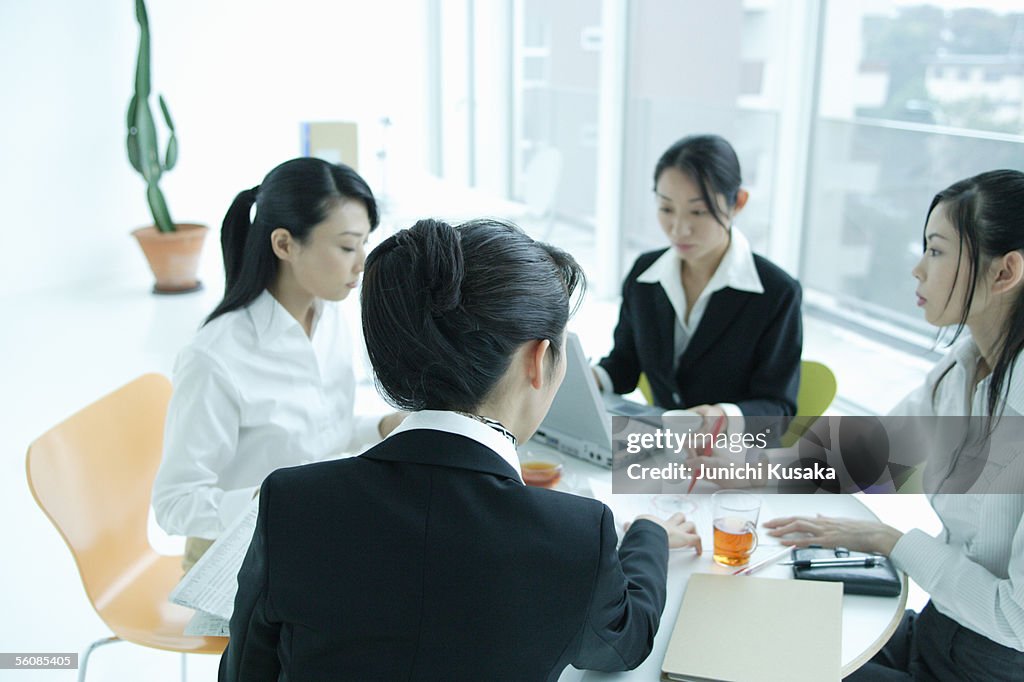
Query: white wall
x=239, y=77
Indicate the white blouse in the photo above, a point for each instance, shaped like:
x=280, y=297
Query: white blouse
x=253, y=393
x=974, y=571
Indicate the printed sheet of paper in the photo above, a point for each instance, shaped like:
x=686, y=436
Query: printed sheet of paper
x=205, y=624
x=211, y=584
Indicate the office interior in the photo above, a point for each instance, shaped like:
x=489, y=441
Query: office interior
x=847, y=116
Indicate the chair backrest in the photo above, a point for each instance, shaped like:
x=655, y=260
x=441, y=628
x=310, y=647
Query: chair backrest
x=540, y=180
x=644, y=384
x=92, y=474
x=817, y=390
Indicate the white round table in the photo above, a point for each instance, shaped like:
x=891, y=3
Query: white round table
x=868, y=622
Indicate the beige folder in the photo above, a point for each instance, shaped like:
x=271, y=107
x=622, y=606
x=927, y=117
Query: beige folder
x=743, y=629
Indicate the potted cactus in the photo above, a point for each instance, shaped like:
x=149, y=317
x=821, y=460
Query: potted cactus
x=172, y=249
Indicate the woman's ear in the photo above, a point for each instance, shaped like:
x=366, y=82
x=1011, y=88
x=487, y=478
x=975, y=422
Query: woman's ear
x=741, y=200
x=536, y=359
x=282, y=244
x=1009, y=272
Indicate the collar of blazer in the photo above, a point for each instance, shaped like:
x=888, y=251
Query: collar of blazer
x=444, y=449
x=723, y=307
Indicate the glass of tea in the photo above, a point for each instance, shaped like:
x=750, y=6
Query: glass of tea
x=734, y=514
x=540, y=469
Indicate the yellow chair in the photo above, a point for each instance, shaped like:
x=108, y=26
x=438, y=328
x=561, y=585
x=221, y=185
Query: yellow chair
x=817, y=390
x=645, y=387
x=92, y=475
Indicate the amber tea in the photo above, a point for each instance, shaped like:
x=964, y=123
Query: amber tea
x=734, y=541
x=541, y=474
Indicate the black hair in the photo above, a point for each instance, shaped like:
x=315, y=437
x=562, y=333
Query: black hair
x=297, y=196
x=711, y=162
x=986, y=212
x=445, y=308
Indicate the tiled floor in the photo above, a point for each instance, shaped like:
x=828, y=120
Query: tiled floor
x=62, y=349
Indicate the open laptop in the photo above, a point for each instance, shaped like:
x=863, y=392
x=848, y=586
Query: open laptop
x=579, y=422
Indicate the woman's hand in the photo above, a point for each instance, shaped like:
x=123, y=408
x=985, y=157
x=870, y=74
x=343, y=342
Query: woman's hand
x=711, y=414
x=390, y=422
x=681, y=533
x=853, y=534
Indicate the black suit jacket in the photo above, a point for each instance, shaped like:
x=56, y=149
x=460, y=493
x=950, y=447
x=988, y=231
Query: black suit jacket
x=746, y=349
x=425, y=559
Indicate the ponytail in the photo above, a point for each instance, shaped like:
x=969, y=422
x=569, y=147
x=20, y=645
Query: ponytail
x=234, y=232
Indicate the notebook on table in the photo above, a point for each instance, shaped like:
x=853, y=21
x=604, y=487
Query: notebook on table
x=744, y=629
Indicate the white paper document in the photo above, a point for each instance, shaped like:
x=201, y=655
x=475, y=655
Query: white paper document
x=211, y=584
x=205, y=624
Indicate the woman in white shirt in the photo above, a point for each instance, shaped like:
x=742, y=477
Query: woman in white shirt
x=715, y=327
x=970, y=276
x=268, y=382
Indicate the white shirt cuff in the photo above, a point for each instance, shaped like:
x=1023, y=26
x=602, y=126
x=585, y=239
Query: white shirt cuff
x=233, y=503
x=604, y=381
x=734, y=415
x=921, y=556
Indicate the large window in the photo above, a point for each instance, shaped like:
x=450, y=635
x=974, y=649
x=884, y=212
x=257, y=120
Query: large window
x=848, y=116
x=912, y=98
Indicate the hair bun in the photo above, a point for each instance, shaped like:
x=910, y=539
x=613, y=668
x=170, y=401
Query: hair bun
x=439, y=264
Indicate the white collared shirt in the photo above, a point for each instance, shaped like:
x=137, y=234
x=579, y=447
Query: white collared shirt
x=253, y=393
x=737, y=270
x=459, y=424
x=974, y=571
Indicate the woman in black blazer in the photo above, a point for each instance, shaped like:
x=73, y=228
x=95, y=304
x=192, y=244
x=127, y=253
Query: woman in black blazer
x=426, y=558
x=715, y=327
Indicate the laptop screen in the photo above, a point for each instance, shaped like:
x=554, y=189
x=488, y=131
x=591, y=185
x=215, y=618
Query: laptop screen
x=578, y=410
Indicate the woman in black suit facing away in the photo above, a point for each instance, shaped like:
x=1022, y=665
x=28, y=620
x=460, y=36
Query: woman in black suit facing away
x=715, y=327
x=426, y=558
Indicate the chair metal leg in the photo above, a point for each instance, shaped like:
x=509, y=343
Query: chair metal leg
x=184, y=667
x=84, y=661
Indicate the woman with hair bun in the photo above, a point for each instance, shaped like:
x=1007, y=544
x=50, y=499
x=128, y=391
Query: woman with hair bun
x=429, y=558
x=268, y=382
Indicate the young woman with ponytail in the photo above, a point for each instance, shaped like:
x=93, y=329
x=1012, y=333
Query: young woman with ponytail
x=268, y=381
x=429, y=558
x=970, y=278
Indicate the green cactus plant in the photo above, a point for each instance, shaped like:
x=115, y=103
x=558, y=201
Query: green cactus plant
x=143, y=152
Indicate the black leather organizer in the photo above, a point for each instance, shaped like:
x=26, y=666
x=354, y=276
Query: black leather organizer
x=880, y=580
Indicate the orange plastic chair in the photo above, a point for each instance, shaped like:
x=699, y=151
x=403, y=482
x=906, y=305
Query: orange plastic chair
x=92, y=475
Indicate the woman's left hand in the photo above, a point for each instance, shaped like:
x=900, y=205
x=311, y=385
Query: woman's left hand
x=853, y=534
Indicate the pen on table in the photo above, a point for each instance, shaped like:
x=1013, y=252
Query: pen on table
x=715, y=430
x=767, y=561
x=867, y=562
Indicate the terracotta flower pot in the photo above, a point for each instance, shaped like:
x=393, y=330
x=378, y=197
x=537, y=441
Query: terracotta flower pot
x=173, y=256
